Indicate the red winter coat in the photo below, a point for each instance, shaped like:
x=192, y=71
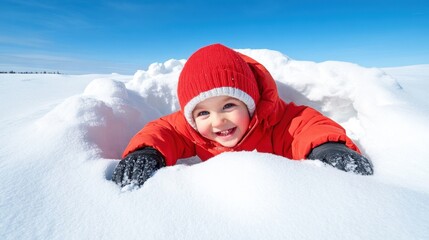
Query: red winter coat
x=276, y=127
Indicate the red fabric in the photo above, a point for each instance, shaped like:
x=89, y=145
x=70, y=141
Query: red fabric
x=211, y=67
x=276, y=127
x=215, y=70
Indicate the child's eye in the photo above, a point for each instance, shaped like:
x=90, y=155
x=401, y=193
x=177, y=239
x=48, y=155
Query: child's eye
x=228, y=105
x=202, y=113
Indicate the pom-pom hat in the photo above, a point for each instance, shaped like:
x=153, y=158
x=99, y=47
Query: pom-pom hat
x=215, y=70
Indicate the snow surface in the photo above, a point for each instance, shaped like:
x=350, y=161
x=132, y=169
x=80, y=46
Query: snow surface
x=61, y=136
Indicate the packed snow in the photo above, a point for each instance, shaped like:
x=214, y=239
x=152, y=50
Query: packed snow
x=62, y=136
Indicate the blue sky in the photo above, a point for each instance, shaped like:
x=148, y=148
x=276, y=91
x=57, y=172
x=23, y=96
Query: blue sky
x=124, y=36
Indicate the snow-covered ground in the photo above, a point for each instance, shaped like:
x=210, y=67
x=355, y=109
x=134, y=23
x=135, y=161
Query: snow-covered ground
x=61, y=136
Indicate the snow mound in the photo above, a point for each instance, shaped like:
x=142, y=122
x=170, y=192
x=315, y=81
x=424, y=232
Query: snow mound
x=247, y=195
x=105, y=116
x=381, y=116
x=158, y=85
x=64, y=136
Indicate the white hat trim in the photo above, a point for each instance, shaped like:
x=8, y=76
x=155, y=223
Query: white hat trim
x=222, y=91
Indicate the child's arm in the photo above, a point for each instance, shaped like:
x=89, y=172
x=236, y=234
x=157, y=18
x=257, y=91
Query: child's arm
x=304, y=128
x=168, y=135
x=342, y=157
x=315, y=136
x=161, y=142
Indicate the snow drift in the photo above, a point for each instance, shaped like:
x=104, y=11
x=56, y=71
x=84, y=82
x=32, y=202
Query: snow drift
x=62, y=136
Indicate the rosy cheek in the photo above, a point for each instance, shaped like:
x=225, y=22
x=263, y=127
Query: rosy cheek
x=203, y=129
x=206, y=132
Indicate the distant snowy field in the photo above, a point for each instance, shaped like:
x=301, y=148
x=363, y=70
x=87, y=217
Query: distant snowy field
x=61, y=136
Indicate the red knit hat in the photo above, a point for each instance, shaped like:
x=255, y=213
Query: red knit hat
x=215, y=70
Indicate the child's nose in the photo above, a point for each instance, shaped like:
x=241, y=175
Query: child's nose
x=218, y=120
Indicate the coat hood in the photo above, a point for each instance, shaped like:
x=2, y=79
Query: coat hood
x=266, y=112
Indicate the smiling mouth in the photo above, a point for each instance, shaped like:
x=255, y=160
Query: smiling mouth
x=227, y=132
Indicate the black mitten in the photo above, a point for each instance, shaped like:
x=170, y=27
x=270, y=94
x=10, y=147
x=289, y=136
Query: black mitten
x=342, y=157
x=137, y=167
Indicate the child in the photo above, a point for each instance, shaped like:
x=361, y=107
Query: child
x=229, y=102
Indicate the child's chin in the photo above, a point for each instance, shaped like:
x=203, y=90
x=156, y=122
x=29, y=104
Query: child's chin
x=229, y=144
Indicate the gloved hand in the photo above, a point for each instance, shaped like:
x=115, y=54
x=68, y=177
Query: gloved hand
x=342, y=157
x=137, y=167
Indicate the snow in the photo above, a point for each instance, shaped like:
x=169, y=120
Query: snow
x=62, y=136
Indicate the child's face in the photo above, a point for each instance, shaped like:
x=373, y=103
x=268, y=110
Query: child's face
x=222, y=119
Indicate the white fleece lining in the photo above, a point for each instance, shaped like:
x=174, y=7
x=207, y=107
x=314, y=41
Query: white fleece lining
x=222, y=91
